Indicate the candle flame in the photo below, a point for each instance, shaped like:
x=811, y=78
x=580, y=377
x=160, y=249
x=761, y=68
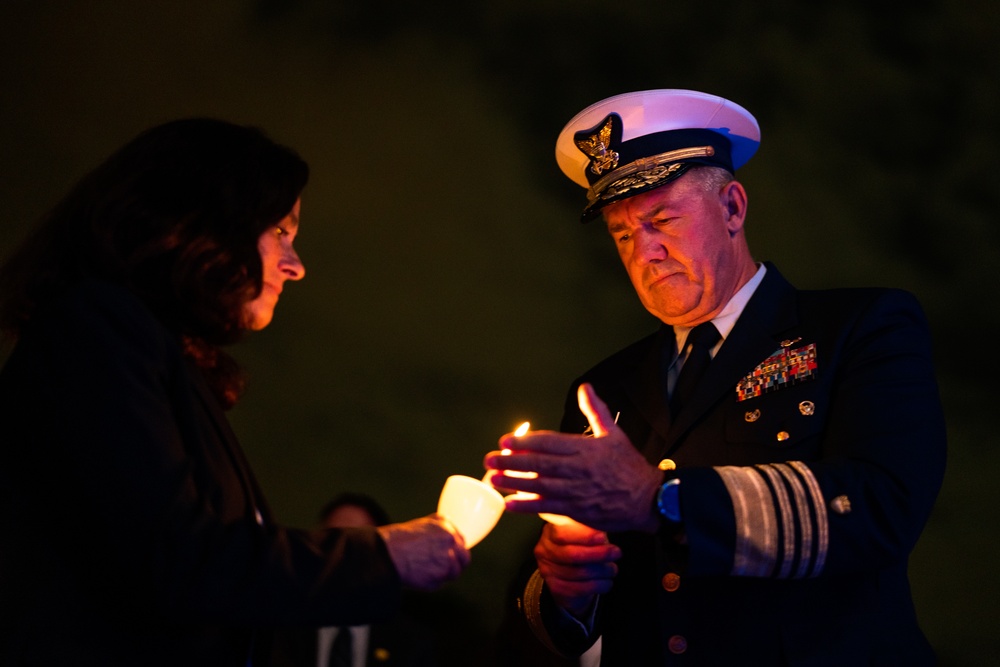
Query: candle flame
x=518, y=432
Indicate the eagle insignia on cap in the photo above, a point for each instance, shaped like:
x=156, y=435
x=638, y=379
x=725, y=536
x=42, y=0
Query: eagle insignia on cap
x=597, y=147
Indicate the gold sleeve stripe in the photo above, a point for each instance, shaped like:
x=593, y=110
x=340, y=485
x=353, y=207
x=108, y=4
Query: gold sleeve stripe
x=805, y=526
x=531, y=607
x=787, y=519
x=781, y=523
x=756, y=526
x=822, y=523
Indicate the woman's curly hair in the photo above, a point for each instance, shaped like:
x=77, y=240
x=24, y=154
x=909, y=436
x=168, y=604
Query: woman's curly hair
x=174, y=216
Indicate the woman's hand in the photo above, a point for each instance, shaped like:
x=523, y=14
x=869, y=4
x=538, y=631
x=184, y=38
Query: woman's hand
x=427, y=552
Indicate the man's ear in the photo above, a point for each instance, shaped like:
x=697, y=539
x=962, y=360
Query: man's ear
x=734, y=199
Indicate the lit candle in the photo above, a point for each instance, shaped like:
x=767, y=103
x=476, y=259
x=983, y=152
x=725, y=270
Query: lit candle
x=518, y=432
x=519, y=495
x=557, y=519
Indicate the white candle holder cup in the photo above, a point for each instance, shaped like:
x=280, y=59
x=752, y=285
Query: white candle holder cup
x=471, y=505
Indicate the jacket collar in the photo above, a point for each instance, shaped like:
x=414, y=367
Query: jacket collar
x=230, y=444
x=770, y=312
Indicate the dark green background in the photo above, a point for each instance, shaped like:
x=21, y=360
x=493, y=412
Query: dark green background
x=451, y=293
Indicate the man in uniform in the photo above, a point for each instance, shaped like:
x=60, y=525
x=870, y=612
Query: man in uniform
x=756, y=472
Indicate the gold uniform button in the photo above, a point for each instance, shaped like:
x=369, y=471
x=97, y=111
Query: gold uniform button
x=671, y=582
x=752, y=415
x=782, y=436
x=677, y=644
x=841, y=505
x=666, y=464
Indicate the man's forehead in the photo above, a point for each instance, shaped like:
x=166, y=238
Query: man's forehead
x=646, y=205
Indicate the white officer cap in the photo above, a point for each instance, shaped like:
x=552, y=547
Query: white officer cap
x=634, y=142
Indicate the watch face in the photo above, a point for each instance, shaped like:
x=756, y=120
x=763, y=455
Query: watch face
x=668, y=501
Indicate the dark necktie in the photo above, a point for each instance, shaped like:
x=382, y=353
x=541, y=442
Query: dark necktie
x=340, y=652
x=701, y=339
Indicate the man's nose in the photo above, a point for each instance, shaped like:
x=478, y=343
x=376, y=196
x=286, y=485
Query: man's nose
x=649, y=246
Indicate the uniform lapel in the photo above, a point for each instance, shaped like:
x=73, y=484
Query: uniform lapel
x=770, y=311
x=644, y=387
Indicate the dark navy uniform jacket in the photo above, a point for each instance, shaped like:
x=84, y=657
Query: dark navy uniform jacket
x=809, y=460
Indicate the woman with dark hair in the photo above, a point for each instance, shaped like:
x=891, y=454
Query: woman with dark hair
x=133, y=529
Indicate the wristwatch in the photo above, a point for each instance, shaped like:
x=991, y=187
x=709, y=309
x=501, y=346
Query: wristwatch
x=668, y=501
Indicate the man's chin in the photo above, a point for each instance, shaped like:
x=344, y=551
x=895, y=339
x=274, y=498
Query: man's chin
x=681, y=317
x=674, y=312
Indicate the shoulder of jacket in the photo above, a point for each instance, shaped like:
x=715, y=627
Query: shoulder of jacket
x=112, y=307
x=858, y=299
x=627, y=356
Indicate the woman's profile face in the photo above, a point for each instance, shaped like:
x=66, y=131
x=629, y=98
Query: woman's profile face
x=280, y=263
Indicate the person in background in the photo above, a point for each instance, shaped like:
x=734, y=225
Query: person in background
x=399, y=642
x=758, y=470
x=120, y=305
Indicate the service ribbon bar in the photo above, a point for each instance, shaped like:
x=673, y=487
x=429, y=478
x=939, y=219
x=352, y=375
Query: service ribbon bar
x=785, y=367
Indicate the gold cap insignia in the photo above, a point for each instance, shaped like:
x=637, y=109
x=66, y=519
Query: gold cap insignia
x=597, y=148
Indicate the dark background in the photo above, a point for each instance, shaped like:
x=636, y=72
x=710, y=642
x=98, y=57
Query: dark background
x=451, y=293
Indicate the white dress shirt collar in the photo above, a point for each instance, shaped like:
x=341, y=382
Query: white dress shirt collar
x=726, y=319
